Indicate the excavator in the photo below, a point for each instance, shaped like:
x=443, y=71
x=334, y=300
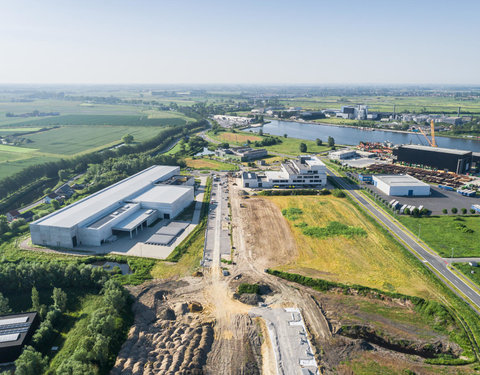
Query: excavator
x=431, y=142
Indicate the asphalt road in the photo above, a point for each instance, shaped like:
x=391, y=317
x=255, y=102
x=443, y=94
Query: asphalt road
x=421, y=251
x=217, y=239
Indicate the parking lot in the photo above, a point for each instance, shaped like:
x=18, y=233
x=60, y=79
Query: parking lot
x=436, y=202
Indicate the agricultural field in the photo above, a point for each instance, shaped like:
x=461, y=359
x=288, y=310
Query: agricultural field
x=289, y=146
x=385, y=103
x=442, y=233
x=205, y=163
x=15, y=130
x=372, y=260
x=111, y=120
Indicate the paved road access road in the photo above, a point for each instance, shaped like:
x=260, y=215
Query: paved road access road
x=414, y=245
x=217, y=239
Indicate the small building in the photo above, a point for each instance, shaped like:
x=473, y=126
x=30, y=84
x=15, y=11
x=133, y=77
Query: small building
x=365, y=178
x=342, y=154
x=12, y=215
x=16, y=331
x=242, y=153
x=401, y=185
x=65, y=190
x=52, y=197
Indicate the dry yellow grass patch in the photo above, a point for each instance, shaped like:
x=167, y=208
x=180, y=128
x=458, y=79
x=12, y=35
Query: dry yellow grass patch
x=373, y=261
x=235, y=137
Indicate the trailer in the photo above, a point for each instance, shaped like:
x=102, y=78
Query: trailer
x=420, y=208
x=467, y=193
x=402, y=209
x=476, y=207
x=445, y=187
x=391, y=202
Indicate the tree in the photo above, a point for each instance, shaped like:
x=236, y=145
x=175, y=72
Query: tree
x=59, y=299
x=303, y=147
x=472, y=211
x=260, y=132
x=4, y=307
x=416, y=212
x=55, y=204
x=445, y=211
x=331, y=142
x=224, y=145
x=3, y=224
x=16, y=224
x=454, y=210
x=318, y=141
x=35, y=299
x=464, y=211
x=30, y=362
x=127, y=139
x=285, y=135
x=62, y=174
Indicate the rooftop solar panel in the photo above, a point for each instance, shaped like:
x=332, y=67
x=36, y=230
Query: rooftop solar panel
x=4, y=322
x=9, y=337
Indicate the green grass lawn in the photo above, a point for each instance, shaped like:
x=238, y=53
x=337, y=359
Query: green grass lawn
x=289, y=146
x=467, y=270
x=442, y=233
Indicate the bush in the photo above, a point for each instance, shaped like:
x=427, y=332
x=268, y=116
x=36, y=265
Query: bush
x=454, y=210
x=445, y=211
x=464, y=211
x=472, y=211
x=248, y=288
x=338, y=193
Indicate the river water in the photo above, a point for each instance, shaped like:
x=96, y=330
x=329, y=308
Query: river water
x=352, y=136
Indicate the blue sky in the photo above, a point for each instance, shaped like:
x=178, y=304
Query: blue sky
x=262, y=41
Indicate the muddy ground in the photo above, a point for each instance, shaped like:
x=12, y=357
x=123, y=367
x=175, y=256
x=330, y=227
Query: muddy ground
x=196, y=326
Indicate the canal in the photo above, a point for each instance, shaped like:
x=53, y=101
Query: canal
x=352, y=136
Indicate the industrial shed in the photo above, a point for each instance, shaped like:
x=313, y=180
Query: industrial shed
x=458, y=161
x=16, y=330
x=127, y=206
x=401, y=185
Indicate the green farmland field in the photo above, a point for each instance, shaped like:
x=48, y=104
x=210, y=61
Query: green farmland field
x=113, y=120
x=70, y=140
x=385, y=103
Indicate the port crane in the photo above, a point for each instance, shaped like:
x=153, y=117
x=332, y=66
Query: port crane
x=431, y=142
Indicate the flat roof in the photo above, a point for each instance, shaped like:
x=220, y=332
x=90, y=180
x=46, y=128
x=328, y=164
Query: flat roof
x=163, y=193
x=14, y=328
x=135, y=219
x=277, y=175
x=437, y=149
x=400, y=180
x=87, y=207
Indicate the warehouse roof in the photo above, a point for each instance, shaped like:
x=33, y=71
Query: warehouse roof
x=163, y=194
x=400, y=180
x=134, y=220
x=437, y=149
x=85, y=208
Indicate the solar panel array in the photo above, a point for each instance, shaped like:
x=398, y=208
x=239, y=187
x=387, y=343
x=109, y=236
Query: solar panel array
x=9, y=337
x=11, y=328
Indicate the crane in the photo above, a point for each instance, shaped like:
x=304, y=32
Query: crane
x=431, y=142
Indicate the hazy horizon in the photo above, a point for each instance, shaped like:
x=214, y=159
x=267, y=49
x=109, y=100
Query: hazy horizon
x=240, y=43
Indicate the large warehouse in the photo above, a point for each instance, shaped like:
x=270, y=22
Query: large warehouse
x=401, y=185
x=127, y=206
x=458, y=161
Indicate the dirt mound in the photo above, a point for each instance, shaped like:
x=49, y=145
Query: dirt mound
x=166, y=314
x=248, y=298
x=195, y=307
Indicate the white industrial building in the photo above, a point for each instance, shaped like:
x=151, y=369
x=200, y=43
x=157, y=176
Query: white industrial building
x=342, y=154
x=127, y=206
x=401, y=185
x=307, y=170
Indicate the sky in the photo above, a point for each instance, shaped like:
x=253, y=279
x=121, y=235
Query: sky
x=246, y=42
